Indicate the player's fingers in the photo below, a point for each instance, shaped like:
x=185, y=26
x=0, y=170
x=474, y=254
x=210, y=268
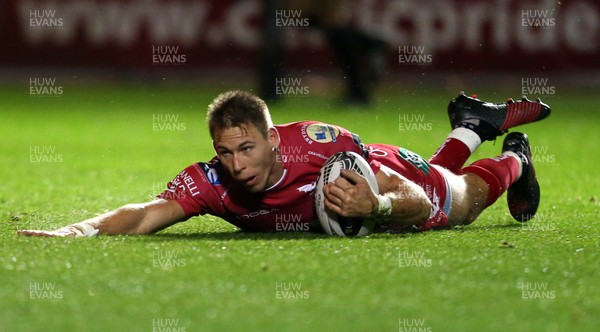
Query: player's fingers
x=332, y=207
x=352, y=176
x=333, y=202
x=333, y=192
x=342, y=183
x=28, y=232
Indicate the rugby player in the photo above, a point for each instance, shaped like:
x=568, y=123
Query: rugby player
x=262, y=178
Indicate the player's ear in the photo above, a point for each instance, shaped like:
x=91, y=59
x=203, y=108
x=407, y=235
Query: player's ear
x=273, y=137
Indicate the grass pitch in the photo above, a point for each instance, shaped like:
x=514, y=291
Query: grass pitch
x=91, y=150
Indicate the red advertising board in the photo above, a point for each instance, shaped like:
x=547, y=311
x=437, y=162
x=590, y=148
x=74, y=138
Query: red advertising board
x=443, y=34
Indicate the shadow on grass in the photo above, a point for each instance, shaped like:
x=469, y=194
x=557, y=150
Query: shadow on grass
x=237, y=235
x=291, y=236
x=241, y=236
x=480, y=227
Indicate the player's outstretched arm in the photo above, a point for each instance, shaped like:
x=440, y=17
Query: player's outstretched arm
x=132, y=219
x=351, y=196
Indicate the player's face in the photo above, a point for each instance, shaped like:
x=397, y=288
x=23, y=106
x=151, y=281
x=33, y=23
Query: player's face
x=249, y=157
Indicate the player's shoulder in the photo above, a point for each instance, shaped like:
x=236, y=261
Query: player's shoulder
x=210, y=172
x=313, y=131
x=213, y=171
x=294, y=126
x=298, y=125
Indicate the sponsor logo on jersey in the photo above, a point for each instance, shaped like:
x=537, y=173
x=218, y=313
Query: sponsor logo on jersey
x=316, y=154
x=254, y=214
x=377, y=152
x=322, y=133
x=356, y=140
x=415, y=159
x=211, y=174
x=183, y=183
x=307, y=187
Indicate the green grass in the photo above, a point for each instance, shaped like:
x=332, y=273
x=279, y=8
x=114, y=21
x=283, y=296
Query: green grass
x=224, y=280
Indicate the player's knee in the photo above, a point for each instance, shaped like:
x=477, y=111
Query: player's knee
x=471, y=217
x=475, y=197
x=477, y=192
x=469, y=195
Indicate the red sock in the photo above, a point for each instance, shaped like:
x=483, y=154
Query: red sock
x=457, y=148
x=452, y=154
x=499, y=173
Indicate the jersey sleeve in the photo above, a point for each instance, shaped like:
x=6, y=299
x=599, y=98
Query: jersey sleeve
x=193, y=189
x=346, y=140
x=352, y=142
x=324, y=138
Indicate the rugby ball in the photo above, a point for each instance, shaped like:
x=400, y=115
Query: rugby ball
x=331, y=222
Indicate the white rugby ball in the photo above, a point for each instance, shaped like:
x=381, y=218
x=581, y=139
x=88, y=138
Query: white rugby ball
x=331, y=222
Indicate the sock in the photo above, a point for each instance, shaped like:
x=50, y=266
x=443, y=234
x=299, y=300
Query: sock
x=484, y=130
x=499, y=173
x=513, y=154
x=457, y=148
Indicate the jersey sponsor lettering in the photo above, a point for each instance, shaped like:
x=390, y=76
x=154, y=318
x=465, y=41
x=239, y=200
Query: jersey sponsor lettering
x=190, y=184
x=316, y=154
x=415, y=159
x=258, y=213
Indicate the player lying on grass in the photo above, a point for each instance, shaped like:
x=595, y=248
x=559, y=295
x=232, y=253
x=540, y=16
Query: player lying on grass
x=263, y=176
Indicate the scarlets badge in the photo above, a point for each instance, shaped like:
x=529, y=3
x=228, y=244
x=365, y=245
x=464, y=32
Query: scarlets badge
x=322, y=133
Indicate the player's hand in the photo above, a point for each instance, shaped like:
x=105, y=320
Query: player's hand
x=67, y=231
x=350, y=195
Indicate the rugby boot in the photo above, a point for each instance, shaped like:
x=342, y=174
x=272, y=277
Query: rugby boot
x=490, y=120
x=524, y=195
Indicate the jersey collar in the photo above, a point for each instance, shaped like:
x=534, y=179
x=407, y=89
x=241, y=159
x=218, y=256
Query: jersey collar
x=280, y=180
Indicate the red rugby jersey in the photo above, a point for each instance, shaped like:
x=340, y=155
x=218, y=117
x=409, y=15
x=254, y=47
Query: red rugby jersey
x=206, y=188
